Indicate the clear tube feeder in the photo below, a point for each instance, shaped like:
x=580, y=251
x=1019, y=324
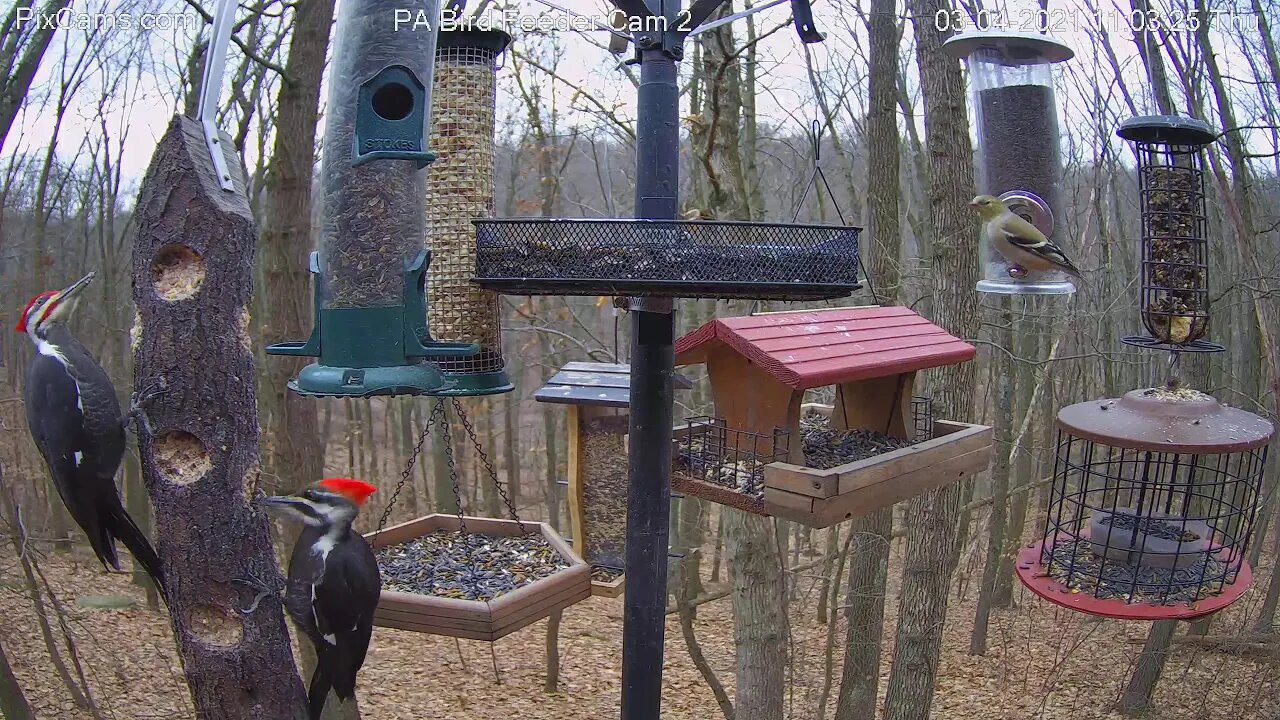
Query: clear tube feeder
x=1016, y=117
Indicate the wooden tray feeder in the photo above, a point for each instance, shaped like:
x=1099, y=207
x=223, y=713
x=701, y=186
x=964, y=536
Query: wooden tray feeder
x=750, y=455
x=478, y=619
x=598, y=396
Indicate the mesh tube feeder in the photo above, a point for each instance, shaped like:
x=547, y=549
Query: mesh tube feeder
x=461, y=189
x=1016, y=116
x=1175, y=272
x=370, y=331
x=1152, y=505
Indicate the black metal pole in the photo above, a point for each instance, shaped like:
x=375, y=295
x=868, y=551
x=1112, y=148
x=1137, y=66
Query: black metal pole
x=652, y=367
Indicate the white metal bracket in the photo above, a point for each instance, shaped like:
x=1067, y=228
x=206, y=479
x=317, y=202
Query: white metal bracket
x=734, y=17
x=224, y=16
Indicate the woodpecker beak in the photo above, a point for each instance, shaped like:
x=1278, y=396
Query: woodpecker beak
x=77, y=286
x=64, y=303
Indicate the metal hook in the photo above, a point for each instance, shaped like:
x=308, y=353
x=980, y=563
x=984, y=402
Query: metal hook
x=815, y=137
x=1171, y=379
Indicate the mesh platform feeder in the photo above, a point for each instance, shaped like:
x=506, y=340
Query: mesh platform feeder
x=459, y=190
x=1154, y=494
x=1016, y=116
x=370, y=332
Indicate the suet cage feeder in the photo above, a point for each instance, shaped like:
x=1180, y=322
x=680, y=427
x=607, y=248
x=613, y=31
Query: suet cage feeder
x=666, y=258
x=370, y=333
x=480, y=619
x=597, y=397
x=1151, y=507
x=759, y=454
x=1016, y=116
x=460, y=189
x=1174, y=258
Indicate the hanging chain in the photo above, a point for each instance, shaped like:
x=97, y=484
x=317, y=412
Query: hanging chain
x=447, y=442
x=406, y=473
x=488, y=466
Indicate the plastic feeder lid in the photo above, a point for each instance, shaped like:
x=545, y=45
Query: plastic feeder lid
x=1018, y=48
x=1166, y=130
x=1163, y=420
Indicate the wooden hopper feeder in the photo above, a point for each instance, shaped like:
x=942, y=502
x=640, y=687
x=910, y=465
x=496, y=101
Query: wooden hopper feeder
x=478, y=619
x=598, y=396
x=759, y=368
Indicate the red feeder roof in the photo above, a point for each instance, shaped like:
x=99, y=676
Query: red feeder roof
x=807, y=349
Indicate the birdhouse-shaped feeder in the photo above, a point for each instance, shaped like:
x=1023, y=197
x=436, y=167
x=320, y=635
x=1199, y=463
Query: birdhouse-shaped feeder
x=1175, y=253
x=763, y=453
x=467, y=604
x=597, y=396
x=1016, y=117
x=1152, y=506
x=370, y=331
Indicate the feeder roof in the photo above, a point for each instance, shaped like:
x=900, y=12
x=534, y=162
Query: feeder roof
x=588, y=383
x=1161, y=420
x=813, y=348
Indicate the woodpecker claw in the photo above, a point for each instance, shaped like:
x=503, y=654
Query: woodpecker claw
x=137, y=415
x=265, y=590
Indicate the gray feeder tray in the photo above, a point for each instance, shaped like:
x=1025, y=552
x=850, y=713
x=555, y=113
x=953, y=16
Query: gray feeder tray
x=1135, y=547
x=1018, y=48
x=1167, y=130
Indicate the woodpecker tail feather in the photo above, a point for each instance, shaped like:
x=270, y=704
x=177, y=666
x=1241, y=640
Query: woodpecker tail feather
x=118, y=523
x=318, y=692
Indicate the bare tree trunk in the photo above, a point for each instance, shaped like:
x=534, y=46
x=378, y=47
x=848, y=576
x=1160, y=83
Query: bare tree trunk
x=1266, y=621
x=13, y=702
x=201, y=463
x=868, y=572
x=1142, y=684
x=932, y=517
x=758, y=615
x=999, y=476
x=552, y=683
x=20, y=56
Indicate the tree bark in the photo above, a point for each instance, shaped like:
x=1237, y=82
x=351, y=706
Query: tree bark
x=13, y=703
x=932, y=517
x=20, y=66
x=296, y=456
x=200, y=449
x=1004, y=418
x=758, y=616
x=868, y=572
x=1142, y=684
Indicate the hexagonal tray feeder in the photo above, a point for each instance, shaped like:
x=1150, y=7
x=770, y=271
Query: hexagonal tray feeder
x=488, y=619
x=751, y=454
x=693, y=259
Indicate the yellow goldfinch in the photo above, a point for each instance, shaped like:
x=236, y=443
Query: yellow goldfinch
x=1018, y=240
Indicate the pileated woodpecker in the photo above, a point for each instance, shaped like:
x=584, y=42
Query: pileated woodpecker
x=75, y=420
x=333, y=583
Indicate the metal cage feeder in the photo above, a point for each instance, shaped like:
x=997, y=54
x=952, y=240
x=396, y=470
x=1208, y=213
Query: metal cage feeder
x=1151, y=507
x=1174, y=258
x=1016, y=117
x=370, y=332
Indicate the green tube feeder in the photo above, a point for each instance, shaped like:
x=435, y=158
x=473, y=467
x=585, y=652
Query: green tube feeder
x=370, y=334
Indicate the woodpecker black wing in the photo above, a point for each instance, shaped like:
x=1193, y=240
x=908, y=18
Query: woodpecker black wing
x=344, y=603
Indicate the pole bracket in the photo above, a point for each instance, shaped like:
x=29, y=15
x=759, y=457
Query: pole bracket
x=224, y=17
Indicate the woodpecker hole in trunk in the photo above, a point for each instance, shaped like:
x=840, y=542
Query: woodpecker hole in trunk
x=215, y=626
x=177, y=272
x=181, y=457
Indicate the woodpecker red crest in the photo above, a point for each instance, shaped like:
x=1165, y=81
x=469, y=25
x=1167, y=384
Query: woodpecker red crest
x=358, y=491
x=43, y=297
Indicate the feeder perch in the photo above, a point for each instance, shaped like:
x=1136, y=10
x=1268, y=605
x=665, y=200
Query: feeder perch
x=751, y=454
x=1175, y=254
x=478, y=619
x=370, y=331
x=598, y=396
x=460, y=189
x=1016, y=116
x=1152, y=506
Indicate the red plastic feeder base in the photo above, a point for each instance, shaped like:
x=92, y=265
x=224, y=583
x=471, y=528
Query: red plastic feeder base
x=1035, y=576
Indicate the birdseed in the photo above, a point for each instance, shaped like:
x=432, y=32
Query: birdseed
x=1111, y=580
x=1148, y=526
x=606, y=575
x=468, y=566
x=604, y=492
x=1174, y=313
x=826, y=447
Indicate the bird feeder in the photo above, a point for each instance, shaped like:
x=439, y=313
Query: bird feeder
x=1016, y=116
x=459, y=190
x=1152, y=506
x=480, y=619
x=1175, y=273
x=762, y=453
x=370, y=331
x=597, y=396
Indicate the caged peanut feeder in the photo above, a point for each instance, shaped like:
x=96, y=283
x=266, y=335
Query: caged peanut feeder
x=370, y=331
x=765, y=452
x=1016, y=116
x=1152, y=506
x=597, y=396
x=1175, y=253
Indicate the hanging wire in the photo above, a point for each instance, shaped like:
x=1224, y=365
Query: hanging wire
x=488, y=465
x=406, y=473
